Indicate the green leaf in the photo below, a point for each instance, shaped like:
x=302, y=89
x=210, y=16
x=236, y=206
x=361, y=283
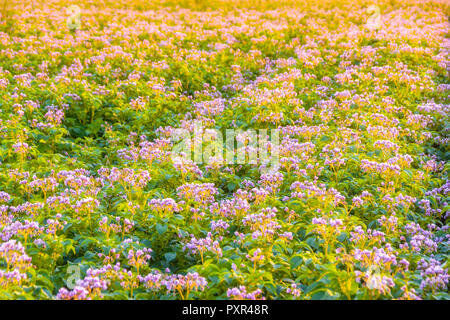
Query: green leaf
x=170, y=256
x=295, y=261
x=161, y=228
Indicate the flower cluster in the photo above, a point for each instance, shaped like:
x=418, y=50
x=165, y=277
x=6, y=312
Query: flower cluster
x=241, y=293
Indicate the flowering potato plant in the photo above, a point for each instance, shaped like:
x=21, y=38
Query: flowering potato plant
x=224, y=149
